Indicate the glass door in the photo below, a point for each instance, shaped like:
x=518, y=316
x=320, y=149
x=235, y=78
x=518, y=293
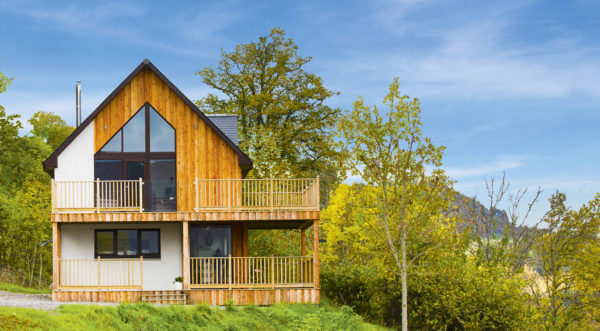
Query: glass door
x=210, y=240
x=134, y=170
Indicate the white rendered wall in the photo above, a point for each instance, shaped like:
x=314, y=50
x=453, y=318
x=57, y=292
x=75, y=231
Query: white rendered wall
x=76, y=162
x=77, y=242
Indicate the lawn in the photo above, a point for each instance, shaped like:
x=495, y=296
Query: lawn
x=141, y=316
x=20, y=289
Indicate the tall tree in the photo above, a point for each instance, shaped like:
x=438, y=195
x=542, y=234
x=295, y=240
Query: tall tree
x=390, y=153
x=567, y=286
x=285, y=125
x=52, y=129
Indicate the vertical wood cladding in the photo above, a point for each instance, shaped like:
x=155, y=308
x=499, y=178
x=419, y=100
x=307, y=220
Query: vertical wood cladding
x=200, y=151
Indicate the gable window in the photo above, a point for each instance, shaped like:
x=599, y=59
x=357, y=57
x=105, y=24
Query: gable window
x=127, y=243
x=143, y=148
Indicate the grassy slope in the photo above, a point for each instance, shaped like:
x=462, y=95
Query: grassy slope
x=147, y=317
x=20, y=289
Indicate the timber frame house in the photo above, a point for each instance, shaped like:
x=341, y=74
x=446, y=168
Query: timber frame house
x=148, y=189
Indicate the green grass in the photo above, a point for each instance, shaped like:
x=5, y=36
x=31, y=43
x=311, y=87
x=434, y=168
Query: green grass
x=20, y=289
x=141, y=316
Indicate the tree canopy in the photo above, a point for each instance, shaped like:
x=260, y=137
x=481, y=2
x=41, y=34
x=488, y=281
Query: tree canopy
x=285, y=125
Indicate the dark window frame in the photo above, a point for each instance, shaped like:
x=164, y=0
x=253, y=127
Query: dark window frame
x=115, y=242
x=145, y=157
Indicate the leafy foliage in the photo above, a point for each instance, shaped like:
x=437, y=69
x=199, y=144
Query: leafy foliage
x=284, y=124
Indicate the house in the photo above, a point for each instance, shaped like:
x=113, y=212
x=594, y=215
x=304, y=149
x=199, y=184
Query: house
x=148, y=189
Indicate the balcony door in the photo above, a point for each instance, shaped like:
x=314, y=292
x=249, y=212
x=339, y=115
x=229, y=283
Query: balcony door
x=143, y=148
x=210, y=240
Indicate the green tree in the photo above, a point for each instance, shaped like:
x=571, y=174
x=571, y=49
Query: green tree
x=285, y=125
x=391, y=154
x=567, y=287
x=451, y=291
x=52, y=129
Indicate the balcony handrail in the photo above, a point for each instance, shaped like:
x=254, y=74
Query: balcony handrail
x=125, y=273
x=272, y=194
x=252, y=272
x=97, y=195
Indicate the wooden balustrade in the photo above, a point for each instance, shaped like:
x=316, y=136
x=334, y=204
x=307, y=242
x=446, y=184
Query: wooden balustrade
x=101, y=273
x=251, y=272
x=98, y=195
x=257, y=194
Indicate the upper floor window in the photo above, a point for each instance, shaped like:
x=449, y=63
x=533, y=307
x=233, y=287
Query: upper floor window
x=143, y=148
x=146, y=131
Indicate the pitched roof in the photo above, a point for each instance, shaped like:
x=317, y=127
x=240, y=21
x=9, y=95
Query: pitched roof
x=52, y=161
x=228, y=124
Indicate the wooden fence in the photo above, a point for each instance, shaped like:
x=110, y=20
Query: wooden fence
x=257, y=194
x=98, y=195
x=101, y=273
x=251, y=272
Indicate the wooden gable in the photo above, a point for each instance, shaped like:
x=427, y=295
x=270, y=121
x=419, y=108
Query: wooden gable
x=202, y=150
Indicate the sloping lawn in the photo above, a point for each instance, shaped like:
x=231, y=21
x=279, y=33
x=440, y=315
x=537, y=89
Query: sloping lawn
x=142, y=316
x=20, y=289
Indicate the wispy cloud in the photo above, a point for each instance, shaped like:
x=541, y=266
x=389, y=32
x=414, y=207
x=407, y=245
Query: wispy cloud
x=475, y=57
x=483, y=170
x=119, y=21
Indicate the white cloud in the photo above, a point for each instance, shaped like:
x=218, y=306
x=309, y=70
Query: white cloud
x=483, y=170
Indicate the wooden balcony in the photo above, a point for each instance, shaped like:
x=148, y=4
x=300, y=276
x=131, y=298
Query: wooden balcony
x=212, y=200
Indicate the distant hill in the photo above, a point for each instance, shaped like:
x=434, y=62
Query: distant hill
x=475, y=213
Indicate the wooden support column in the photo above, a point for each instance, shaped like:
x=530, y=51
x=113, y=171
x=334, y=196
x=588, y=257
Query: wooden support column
x=185, y=249
x=302, y=242
x=55, y=256
x=244, y=239
x=316, y=253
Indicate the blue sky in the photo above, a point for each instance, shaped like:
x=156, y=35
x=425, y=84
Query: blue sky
x=507, y=86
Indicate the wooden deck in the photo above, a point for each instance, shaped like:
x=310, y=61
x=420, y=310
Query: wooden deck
x=213, y=297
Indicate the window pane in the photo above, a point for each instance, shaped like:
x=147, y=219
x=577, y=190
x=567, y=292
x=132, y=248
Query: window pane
x=107, y=169
x=104, y=242
x=210, y=241
x=162, y=135
x=127, y=242
x=162, y=185
x=114, y=144
x=134, y=170
x=134, y=133
x=149, y=241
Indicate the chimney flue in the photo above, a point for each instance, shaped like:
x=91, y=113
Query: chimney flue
x=77, y=103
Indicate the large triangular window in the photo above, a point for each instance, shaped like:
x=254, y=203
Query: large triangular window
x=143, y=148
x=146, y=131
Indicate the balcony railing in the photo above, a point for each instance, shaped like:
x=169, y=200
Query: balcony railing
x=210, y=195
x=257, y=194
x=252, y=272
x=101, y=273
x=98, y=195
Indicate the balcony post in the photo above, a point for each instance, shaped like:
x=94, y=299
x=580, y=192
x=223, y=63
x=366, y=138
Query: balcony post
x=302, y=253
x=230, y=270
x=273, y=270
x=99, y=274
x=316, y=253
x=141, y=272
x=141, y=195
x=55, y=256
x=97, y=195
x=318, y=189
x=228, y=193
x=185, y=249
x=197, y=198
x=271, y=194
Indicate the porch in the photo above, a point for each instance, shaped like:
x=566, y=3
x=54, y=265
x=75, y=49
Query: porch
x=85, y=271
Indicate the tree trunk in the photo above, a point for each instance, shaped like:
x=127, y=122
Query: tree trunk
x=404, y=285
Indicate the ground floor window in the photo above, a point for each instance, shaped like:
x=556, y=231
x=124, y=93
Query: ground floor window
x=127, y=243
